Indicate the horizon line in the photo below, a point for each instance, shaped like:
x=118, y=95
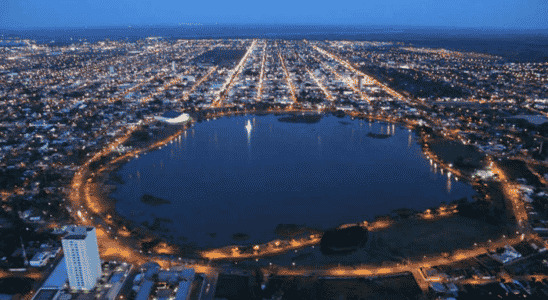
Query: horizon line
x=385, y=27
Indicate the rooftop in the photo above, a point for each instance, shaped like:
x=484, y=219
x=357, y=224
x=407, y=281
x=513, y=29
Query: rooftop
x=46, y=294
x=58, y=277
x=77, y=232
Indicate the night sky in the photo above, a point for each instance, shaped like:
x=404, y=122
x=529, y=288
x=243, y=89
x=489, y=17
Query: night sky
x=518, y=14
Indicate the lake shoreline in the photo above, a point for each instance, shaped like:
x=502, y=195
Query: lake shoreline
x=144, y=234
x=224, y=237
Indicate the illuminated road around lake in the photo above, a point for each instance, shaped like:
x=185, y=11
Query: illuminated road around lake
x=115, y=246
x=87, y=194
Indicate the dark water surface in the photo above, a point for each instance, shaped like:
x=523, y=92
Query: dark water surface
x=222, y=179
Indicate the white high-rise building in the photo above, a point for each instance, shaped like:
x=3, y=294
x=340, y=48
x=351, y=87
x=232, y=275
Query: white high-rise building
x=173, y=66
x=82, y=256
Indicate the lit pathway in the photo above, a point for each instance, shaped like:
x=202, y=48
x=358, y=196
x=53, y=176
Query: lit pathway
x=346, y=80
x=287, y=78
x=260, y=87
x=324, y=90
x=233, y=74
x=368, y=79
x=395, y=268
x=204, y=78
x=112, y=246
x=84, y=195
x=174, y=80
x=143, y=82
x=513, y=194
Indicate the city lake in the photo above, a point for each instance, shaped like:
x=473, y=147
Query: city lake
x=234, y=180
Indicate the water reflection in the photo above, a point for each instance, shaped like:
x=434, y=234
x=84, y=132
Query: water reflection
x=248, y=128
x=320, y=147
x=286, y=157
x=410, y=140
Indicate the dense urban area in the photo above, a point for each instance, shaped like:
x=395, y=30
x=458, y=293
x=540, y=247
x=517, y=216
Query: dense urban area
x=71, y=114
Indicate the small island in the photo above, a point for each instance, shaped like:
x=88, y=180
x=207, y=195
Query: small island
x=154, y=201
x=308, y=119
x=378, y=135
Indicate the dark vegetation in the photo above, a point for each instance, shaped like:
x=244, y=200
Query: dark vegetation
x=9, y=178
x=482, y=210
x=464, y=157
x=116, y=178
x=10, y=246
x=220, y=56
x=149, y=245
x=291, y=230
x=399, y=286
x=157, y=224
x=306, y=97
x=15, y=285
x=404, y=213
x=516, y=169
x=414, y=83
x=525, y=131
x=233, y=287
x=343, y=240
x=339, y=114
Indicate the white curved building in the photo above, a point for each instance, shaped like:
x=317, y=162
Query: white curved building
x=172, y=117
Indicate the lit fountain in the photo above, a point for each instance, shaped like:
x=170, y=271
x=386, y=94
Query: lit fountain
x=248, y=127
